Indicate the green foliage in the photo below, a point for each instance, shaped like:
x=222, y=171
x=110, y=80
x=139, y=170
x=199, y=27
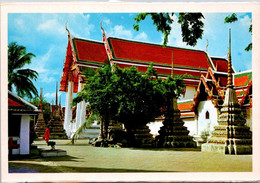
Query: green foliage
x=232, y=18
x=191, y=25
x=20, y=79
x=249, y=47
x=127, y=96
x=162, y=21
x=46, y=108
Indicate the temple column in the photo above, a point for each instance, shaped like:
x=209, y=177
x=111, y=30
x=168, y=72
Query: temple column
x=79, y=108
x=68, y=109
x=25, y=135
x=83, y=113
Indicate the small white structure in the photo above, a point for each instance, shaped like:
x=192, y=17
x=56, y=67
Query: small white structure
x=19, y=112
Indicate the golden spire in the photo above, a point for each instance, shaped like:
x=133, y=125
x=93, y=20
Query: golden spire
x=41, y=99
x=230, y=83
x=56, y=104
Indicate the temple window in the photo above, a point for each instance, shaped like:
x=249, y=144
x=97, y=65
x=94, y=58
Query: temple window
x=207, y=115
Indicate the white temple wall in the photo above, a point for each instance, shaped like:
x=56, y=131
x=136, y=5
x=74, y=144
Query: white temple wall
x=207, y=122
x=68, y=109
x=189, y=93
x=191, y=125
x=79, y=108
x=25, y=135
x=155, y=127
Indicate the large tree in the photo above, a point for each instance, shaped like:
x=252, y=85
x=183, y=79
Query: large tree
x=191, y=25
x=129, y=97
x=19, y=78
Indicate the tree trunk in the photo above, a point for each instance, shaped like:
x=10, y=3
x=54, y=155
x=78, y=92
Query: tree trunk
x=104, y=128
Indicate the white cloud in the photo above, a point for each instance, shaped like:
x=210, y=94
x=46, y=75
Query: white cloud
x=175, y=37
x=51, y=95
x=89, y=28
x=87, y=16
x=120, y=31
x=19, y=22
x=52, y=26
x=41, y=64
x=107, y=21
x=245, y=21
x=142, y=37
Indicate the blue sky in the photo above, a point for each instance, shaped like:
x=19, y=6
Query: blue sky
x=45, y=36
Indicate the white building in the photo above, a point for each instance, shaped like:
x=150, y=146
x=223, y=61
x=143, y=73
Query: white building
x=19, y=112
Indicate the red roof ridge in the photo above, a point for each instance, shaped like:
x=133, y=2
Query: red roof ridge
x=243, y=72
x=23, y=101
x=219, y=58
x=157, y=44
x=88, y=40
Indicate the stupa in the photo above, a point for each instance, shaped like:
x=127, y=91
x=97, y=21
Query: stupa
x=231, y=135
x=40, y=126
x=173, y=133
x=55, y=124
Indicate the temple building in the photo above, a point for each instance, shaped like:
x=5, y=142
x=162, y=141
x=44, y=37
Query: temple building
x=205, y=82
x=19, y=112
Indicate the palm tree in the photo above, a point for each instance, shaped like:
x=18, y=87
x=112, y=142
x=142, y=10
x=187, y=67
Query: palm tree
x=20, y=79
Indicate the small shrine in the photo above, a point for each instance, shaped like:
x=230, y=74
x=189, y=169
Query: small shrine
x=173, y=133
x=56, y=124
x=143, y=137
x=231, y=135
x=40, y=125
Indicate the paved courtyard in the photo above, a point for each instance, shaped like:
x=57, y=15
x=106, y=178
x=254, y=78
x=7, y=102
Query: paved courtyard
x=82, y=157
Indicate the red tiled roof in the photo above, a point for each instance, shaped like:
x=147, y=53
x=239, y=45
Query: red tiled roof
x=220, y=63
x=12, y=103
x=242, y=79
x=90, y=51
x=185, y=105
x=143, y=52
x=66, y=67
x=18, y=104
x=222, y=79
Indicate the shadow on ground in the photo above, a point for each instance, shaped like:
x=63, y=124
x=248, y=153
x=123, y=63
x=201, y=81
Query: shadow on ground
x=168, y=149
x=35, y=168
x=41, y=159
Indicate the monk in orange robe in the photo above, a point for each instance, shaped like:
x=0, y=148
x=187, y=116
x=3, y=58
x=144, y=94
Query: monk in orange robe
x=47, y=135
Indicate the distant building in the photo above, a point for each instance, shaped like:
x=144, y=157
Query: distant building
x=19, y=112
x=197, y=103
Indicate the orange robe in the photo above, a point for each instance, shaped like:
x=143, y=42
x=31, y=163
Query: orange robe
x=47, y=135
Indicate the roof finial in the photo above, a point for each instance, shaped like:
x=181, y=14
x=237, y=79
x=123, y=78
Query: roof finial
x=207, y=45
x=172, y=73
x=66, y=27
x=229, y=84
x=102, y=28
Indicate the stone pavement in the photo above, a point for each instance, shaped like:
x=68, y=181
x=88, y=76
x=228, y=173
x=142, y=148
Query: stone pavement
x=82, y=157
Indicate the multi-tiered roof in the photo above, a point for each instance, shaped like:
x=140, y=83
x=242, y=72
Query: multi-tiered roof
x=83, y=53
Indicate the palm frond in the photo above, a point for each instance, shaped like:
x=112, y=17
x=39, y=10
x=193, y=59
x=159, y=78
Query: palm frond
x=85, y=125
